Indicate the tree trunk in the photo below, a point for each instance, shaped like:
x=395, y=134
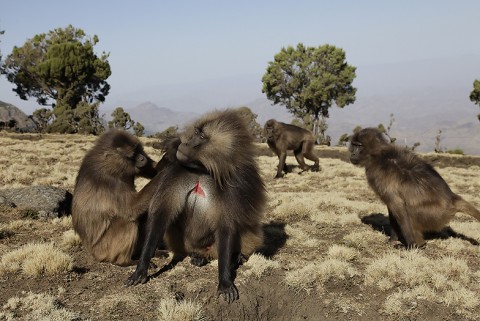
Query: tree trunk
x=316, y=129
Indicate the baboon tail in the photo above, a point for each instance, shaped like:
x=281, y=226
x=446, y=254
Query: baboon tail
x=465, y=207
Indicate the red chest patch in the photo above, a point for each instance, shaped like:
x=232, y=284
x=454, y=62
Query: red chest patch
x=198, y=190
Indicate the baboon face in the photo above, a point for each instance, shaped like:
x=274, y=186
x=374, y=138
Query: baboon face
x=269, y=128
x=216, y=146
x=191, y=146
x=365, y=143
x=130, y=151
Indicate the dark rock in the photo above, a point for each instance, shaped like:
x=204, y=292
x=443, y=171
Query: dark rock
x=48, y=201
x=12, y=118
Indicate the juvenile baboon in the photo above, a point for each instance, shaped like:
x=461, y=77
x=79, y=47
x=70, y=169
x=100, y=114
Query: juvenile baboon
x=210, y=199
x=282, y=137
x=107, y=212
x=417, y=197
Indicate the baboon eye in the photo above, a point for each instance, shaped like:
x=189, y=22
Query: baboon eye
x=199, y=133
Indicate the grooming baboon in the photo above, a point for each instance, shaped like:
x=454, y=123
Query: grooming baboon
x=107, y=212
x=210, y=199
x=282, y=137
x=417, y=197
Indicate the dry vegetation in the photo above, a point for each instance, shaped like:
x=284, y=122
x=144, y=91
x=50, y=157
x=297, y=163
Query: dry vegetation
x=335, y=263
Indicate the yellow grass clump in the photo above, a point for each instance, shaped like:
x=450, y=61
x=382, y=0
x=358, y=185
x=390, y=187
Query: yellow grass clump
x=173, y=310
x=315, y=274
x=364, y=239
x=109, y=304
x=342, y=253
x=70, y=239
x=414, y=276
x=36, y=259
x=35, y=306
x=258, y=266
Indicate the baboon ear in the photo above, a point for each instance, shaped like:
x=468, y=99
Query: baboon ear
x=125, y=151
x=141, y=161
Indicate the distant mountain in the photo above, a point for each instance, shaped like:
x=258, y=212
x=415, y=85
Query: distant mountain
x=418, y=117
x=156, y=119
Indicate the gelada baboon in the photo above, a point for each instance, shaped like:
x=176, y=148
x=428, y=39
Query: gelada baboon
x=209, y=201
x=282, y=137
x=107, y=212
x=417, y=197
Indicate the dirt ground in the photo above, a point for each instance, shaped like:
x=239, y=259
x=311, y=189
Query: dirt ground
x=95, y=291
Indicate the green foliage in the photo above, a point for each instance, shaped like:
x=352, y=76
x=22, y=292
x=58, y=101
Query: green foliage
x=29, y=213
x=139, y=129
x=343, y=140
x=475, y=94
x=456, y=151
x=169, y=132
x=42, y=117
x=251, y=121
x=59, y=69
x=88, y=119
x=121, y=119
x=309, y=80
x=386, y=131
x=305, y=122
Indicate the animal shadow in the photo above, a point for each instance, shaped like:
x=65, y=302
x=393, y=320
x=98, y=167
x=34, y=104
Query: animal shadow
x=380, y=222
x=274, y=238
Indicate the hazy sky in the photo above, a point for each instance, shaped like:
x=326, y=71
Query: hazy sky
x=155, y=43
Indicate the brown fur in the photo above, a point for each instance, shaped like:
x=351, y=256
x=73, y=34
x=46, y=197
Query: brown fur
x=107, y=211
x=417, y=197
x=222, y=218
x=282, y=137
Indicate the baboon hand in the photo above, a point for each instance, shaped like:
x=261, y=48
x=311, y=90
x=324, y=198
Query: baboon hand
x=229, y=292
x=139, y=276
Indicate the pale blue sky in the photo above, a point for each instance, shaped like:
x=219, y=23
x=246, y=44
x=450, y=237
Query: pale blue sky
x=155, y=43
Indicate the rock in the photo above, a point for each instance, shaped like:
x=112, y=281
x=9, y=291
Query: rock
x=48, y=201
x=6, y=201
x=13, y=118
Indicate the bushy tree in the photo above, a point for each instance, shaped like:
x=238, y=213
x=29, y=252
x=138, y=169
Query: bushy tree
x=251, y=121
x=169, y=132
x=475, y=94
x=343, y=140
x=138, y=129
x=309, y=80
x=387, y=130
x=59, y=69
x=121, y=119
x=42, y=117
x=88, y=119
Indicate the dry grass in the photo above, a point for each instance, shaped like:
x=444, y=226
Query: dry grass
x=36, y=259
x=258, y=266
x=315, y=274
x=172, y=310
x=35, y=306
x=347, y=268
